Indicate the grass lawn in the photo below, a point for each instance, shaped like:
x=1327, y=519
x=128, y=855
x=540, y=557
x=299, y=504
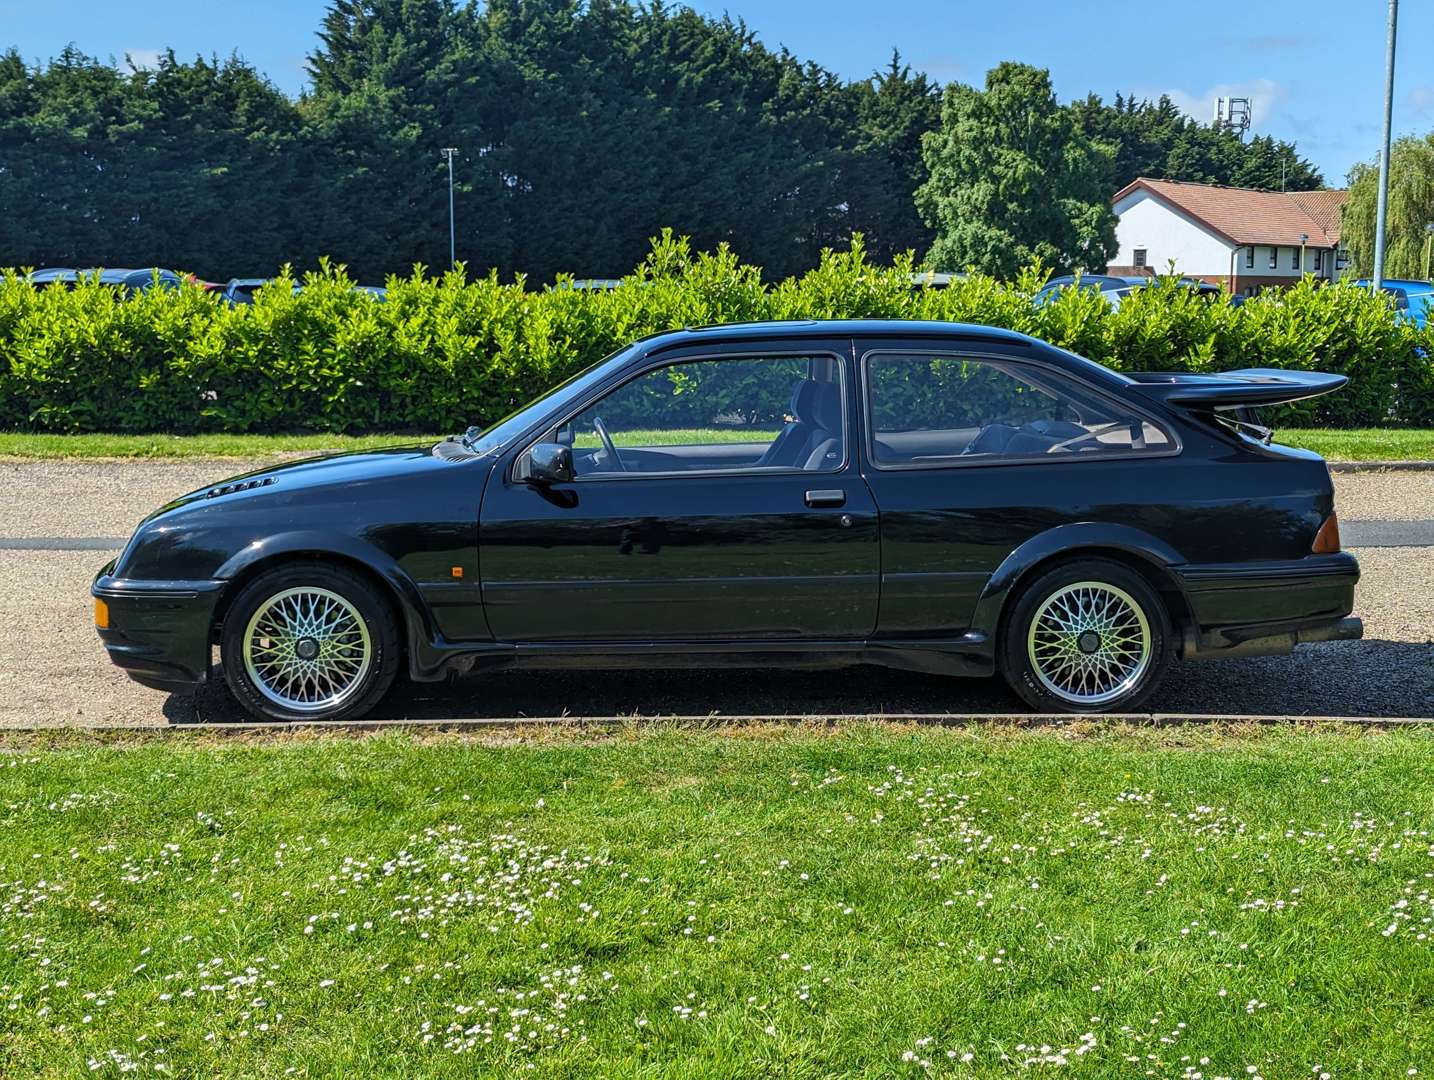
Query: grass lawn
x=858, y=901
x=1361, y=444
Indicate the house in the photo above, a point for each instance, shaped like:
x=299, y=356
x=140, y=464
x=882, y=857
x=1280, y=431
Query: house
x=1243, y=239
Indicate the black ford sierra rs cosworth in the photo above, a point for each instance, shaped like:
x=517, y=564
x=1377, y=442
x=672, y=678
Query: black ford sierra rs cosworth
x=929, y=496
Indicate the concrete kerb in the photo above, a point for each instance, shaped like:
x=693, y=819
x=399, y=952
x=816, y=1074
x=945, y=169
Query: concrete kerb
x=344, y=727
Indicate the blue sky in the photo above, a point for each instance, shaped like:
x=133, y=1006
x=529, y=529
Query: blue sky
x=1315, y=68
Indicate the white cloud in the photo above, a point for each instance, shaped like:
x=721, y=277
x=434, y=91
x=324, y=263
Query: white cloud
x=143, y=58
x=1264, y=95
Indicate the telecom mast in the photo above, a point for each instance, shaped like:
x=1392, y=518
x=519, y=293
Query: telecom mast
x=1232, y=114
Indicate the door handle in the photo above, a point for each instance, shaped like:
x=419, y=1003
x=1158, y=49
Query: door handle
x=829, y=497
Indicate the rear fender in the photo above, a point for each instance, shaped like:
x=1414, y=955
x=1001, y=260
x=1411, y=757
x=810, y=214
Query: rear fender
x=1076, y=539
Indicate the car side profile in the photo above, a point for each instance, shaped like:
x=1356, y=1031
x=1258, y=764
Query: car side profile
x=935, y=497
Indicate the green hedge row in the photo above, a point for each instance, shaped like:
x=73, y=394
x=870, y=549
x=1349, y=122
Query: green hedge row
x=444, y=352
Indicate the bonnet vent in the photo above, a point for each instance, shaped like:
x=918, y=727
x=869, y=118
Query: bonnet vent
x=241, y=485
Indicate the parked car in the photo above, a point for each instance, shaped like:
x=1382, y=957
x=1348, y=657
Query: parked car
x=1116, y=289
x=130, y=281
x=241, y=290
x=1412, y=298
x=930, y=496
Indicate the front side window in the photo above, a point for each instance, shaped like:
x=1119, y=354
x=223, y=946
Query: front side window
x=1274, y=257
x=1250, y=257
x=1140, y=256
x=1295, y=259
x=936, y=410
x=1319, y=259
x=727, y=415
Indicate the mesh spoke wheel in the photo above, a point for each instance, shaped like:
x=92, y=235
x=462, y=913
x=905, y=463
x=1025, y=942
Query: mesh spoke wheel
x=1089, y=642
x=307, y=649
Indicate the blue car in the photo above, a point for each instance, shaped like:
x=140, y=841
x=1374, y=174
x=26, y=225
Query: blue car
x=1412, y=298
x=131, y=281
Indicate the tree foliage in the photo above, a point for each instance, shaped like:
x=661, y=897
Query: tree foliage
x=583, y=126
x=1013, y=180
x=1156, y=139
x=1410, y=210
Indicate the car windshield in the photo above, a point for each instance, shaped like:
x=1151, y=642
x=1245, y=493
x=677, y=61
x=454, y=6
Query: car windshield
x=515, y=423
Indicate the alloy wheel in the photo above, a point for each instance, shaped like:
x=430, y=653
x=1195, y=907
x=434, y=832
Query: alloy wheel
x=307, y=649
x=1089, y=643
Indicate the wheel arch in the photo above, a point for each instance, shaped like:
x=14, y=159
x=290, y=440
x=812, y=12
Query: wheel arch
x=395, y=587
x=1151, y=558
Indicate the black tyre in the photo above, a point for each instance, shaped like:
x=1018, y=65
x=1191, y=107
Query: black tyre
x=309, y=641
x=1089, y=635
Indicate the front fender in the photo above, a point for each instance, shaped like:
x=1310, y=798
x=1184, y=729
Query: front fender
x=421, y=629
x=1087, y=537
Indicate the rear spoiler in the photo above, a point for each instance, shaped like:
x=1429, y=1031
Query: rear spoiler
x=1247, y=388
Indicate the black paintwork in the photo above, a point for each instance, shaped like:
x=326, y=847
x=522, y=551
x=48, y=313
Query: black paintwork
x=909, y=566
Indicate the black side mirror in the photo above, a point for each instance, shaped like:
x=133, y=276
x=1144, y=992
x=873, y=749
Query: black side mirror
x=550, y=463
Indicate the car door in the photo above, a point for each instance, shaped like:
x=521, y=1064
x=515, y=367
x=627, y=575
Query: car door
x=715, y=497
x=971, y=453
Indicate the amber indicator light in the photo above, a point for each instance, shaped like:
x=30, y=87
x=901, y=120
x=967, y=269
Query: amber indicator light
x=456, y=571
x=1326, y=541
x=102, y=614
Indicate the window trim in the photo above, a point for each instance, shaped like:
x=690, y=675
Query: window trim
x=869, y=446
x=646, y=368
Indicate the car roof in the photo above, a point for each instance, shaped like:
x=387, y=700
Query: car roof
x=798, y=329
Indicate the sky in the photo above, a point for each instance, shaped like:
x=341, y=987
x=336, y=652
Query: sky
x=1314, y=68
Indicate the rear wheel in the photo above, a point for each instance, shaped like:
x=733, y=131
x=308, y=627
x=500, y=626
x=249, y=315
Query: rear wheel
x=1089, y=635
x=309, y=642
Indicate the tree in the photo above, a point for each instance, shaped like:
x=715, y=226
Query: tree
x=894, y=109
x=1014, y=180
x=1156, y=139
x=1410, y=211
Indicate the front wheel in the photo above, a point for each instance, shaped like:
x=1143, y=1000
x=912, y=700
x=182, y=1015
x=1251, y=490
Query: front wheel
x=1089, y=635
x=309, y=642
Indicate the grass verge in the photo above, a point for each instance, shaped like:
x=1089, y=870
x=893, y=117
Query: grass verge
x=1360, y=444
x=763, y=902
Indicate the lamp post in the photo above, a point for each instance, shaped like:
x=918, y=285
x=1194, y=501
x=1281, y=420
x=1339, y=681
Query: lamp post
x=1383, y=204
x=448, y=152
x=1428, y=243
x=1304, y=239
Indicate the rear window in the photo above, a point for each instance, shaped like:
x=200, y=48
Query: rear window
x=932, y=410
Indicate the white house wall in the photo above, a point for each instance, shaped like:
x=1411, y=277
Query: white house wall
x=1165, y=234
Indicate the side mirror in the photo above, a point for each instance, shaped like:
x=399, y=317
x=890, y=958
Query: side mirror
x=550, y=463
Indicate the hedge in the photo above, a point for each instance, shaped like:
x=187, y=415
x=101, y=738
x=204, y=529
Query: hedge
x=444, y=352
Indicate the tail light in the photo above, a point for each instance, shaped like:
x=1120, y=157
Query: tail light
x=1326, y=541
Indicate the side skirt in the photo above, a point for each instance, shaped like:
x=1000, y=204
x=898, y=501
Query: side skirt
x=967, y=655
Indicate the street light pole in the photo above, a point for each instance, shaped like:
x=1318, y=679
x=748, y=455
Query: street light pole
x=448, y=152
x=1304, y=239
x=1383, y=204
x=1428, y=243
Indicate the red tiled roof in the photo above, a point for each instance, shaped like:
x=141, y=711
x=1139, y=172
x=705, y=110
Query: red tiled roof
x=1246, y=216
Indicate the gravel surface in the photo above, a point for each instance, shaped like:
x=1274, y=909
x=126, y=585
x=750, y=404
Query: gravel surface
x=97, y=498
x=52, y=667
x=1384, y=496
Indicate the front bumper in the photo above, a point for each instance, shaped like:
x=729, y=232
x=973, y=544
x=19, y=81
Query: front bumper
x=1267, y=608
x=158, y=631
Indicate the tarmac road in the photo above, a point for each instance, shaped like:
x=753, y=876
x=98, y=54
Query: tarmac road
x=52, y=668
